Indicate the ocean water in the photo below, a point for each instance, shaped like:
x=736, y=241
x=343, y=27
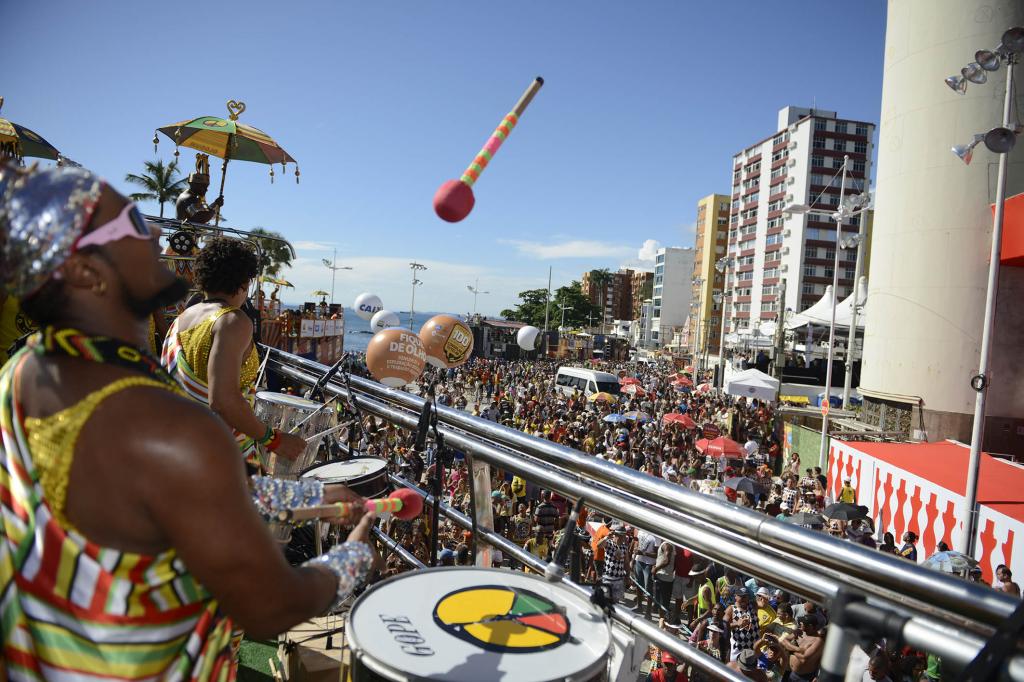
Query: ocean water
x=357, y=330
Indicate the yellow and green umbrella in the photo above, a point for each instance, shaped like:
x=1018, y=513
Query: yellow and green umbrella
x=17, y=141
x=228, y=139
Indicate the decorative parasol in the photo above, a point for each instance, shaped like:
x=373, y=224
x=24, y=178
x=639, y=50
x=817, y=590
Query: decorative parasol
x=614, y=419
x=228, y=139
x=744, y=485
x=320, y=292
x=17, y=141
x=629, y=380
x=806, y=519
x=634, y=390
x=683, y=380
x=602, y=397
x=638, y=416
x=267, y=279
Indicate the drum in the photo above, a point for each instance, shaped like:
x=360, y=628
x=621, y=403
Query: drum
x=366, y=476
x=472, y=624
x=284, y=412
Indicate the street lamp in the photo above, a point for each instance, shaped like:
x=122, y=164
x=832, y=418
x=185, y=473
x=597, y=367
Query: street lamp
x=722, y=265
x=1000, y=141
x=856, y=241
x=415, y=267
x=476, y=290
x=698, y=305
x=853, y=206
x=333, y=266
x=563, y=308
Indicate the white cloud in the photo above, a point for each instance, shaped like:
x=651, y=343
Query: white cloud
x=576, y=248
x=313, y=246
x=644, y=256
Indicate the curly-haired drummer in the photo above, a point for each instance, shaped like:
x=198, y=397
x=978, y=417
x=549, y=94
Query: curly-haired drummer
x=209, y=348
x=130, y=548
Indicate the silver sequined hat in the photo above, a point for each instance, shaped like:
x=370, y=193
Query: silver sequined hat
x=43, y=212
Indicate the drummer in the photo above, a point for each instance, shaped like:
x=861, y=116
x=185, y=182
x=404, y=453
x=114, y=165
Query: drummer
x=126, y=503
x=209, y=349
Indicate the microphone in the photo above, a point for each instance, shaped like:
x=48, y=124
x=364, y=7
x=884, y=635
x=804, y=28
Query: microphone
x=404, y=503
x=553, y=572
x=322, y=381
x=424, y=423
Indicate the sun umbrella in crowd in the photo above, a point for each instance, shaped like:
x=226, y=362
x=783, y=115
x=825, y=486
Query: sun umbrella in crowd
x=950, y=561
x=684, y=420
x=615, y=419
x=742, y=484
x=683, y=381
x=634, y=390
x=625, y=381
x=602, y=397
x=703, y=388
x=841, y=511
x=720, y=447
x=638, y=416
x=806, y=519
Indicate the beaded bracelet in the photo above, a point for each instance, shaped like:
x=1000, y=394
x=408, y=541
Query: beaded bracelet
x=268, y=436
x=273, y=495
x=275, y=441
x=351, y=562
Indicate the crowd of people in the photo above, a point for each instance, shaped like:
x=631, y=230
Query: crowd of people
x=760, y=630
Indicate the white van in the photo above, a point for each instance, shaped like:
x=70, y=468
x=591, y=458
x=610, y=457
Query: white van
x=586, y=381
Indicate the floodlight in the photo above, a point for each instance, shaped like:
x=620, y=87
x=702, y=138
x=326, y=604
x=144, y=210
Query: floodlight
x=987, y=59
x=1013, y=39
x=1000, y=140
x=957, y=84
x=966, y=151
x=797, y=208
x=974, y=73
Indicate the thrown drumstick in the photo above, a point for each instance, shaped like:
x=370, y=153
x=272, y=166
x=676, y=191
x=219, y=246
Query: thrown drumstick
x=404, y=504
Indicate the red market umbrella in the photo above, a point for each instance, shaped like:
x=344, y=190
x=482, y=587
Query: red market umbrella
x=683, y=381
x=703, y=388
x=683, y=420
x=720, y=447
x=625, y=381
x=633, y=389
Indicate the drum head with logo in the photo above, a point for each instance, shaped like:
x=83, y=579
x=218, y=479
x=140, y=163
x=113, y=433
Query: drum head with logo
x=473, y=624
x=352, y=469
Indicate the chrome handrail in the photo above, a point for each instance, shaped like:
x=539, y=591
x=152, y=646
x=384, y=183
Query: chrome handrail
x=957, y=646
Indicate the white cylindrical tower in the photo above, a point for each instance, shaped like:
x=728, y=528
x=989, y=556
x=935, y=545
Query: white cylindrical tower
x=933, y=229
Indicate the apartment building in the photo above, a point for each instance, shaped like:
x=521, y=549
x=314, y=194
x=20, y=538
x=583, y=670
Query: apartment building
x=673, y=274
x=710, y=244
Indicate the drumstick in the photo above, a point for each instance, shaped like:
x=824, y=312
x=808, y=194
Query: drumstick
x=329, y=431
x=404, y=504
x=314, y=413
x=263, y=367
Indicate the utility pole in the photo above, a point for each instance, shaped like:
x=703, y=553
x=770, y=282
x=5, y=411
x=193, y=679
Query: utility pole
x=333, y=266
x=547, y=306
x=415, y=267
x=476, y=290
x=780, y=332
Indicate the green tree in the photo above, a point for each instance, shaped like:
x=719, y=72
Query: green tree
x=600, y=279
x=530, y=309
x=161, y=183
x=580, y=310
x=277, y=252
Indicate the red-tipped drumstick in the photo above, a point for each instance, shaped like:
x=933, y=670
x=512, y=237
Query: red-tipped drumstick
x=454, y=199
x=404, y=504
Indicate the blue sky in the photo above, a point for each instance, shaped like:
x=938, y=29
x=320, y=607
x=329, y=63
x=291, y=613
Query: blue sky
x=643, y=106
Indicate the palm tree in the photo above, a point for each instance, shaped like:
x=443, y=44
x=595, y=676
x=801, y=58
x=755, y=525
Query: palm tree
x=277, y=252
x=600, y=278
x=159, y=182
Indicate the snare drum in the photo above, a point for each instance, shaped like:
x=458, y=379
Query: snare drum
x=366, y=476
x=473, y=624
x=283, y=411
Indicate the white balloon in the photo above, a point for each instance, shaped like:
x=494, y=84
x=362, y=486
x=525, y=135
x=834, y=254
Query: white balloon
x=383, y=319
x=367, y=305
x=527, y=337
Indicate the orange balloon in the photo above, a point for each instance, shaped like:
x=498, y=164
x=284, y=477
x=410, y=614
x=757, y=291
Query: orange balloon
x=447, y=341
x=395, y=357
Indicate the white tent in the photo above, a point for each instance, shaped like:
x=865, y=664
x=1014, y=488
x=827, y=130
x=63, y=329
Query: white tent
x=820, y=313
x=752, y=383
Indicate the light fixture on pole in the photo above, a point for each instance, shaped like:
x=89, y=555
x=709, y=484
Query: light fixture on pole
x=698, y=306
x=476, y=290
x=722, y=265
x=999, y=140
x=563, y=308
x=849, y=207
x=333, y=266
x=415, y=267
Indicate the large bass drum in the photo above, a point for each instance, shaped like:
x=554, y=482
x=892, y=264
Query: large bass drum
x=475, y=624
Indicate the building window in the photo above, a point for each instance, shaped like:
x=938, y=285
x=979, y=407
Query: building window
x=809, y=271
x=768, y=306
x=819, y=142
x=771, y=273
x=820, y=124
x=830, y=253
x=808, y=288
x=811, y=252
x=859, y=166
x=860, y=147
x=862, y=130
x=745, y=276
x=829, y=272
x=841, y=127
x=849, y=273
x=817, y=160
x=773, y=238
x=839, y=145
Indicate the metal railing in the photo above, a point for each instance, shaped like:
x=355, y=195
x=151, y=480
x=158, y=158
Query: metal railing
x=940, y=614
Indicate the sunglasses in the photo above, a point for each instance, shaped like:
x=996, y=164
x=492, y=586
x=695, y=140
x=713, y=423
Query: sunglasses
x=128, y=223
